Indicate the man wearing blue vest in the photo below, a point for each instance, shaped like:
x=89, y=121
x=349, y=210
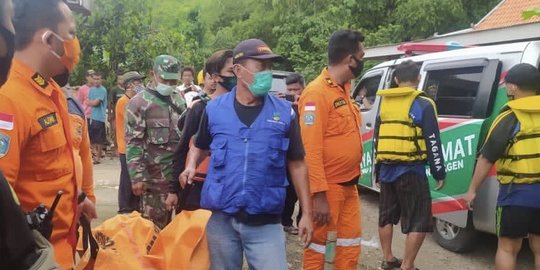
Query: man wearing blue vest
x=253, y=137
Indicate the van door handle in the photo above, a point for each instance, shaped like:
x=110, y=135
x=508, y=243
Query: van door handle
x=368, y=125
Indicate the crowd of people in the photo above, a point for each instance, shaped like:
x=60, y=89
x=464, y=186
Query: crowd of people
x=228, y=146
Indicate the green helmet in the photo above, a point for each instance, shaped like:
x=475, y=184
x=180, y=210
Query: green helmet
x=167, y=67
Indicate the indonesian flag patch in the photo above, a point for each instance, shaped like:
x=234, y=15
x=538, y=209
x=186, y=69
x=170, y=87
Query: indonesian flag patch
x=6, y=121
x=310, y=106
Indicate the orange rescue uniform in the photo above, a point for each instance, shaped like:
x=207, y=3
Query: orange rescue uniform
x=82, y=155
x=120, y=111
x=38, y=159
x=330, y=126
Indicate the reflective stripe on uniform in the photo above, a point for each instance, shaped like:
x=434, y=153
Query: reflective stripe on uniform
x=317, y=248
x=341, y=242
x=348, y=242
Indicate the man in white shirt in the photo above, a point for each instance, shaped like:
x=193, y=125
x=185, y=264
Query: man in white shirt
x=188, y=89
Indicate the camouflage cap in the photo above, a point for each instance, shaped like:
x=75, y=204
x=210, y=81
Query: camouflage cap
x=131, y=75
x=167, y=67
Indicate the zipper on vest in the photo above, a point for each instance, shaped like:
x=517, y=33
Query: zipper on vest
x=246, y=141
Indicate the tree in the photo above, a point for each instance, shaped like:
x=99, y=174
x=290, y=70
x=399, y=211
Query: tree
x=121, y=36
x=528, y=14
x=127, y=34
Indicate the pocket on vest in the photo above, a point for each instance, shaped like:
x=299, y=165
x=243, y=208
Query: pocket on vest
x=211, y=195
x=219, y=153
x=278, y=151
x=273, y=200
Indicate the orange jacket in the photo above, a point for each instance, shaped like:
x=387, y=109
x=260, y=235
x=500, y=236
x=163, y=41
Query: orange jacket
x=84, y=169
x=38, y=159
x=120, y=111
x=330, y=125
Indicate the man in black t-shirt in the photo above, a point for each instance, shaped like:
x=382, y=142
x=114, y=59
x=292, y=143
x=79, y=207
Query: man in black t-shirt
x=512, y=145
x=218, y=66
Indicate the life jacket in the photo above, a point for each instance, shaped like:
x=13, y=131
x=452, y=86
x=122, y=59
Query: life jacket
x=400, y=139
x=247, y=169
x=521, y=162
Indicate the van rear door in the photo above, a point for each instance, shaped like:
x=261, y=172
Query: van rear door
x=464, y=93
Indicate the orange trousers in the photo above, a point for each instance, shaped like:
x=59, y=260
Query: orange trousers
x=344, y=205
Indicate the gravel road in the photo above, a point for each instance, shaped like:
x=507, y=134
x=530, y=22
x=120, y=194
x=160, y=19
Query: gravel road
x=431, y=256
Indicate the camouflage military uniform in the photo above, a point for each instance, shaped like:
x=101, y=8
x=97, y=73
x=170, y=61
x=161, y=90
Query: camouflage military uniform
x=151, y=137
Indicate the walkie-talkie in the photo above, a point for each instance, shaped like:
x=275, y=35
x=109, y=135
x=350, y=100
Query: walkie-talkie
x=40, y=218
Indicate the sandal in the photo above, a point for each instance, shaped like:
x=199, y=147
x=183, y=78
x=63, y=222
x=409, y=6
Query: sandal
x=389, y=265
x=291, y=230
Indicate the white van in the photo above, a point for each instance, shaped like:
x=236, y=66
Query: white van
x=467, y=87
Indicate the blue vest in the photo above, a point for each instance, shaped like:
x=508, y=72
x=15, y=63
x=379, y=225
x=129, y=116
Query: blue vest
x=247, y=164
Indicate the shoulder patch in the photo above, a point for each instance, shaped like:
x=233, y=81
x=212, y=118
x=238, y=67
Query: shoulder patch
x=6, y=121
x=309, y=119
x=48, y=120
x=340, y=102
x=37, y=78
x=310, y=106
x=4, y=144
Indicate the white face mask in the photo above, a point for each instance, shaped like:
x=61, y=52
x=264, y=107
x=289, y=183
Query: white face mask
x=163, y=89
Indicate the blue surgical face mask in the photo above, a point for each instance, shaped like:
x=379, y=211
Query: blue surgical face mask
x=262, y=82
x=164, y=89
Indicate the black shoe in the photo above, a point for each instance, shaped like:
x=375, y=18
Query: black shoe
x=396, y=263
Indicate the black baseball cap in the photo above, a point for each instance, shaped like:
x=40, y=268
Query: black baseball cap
x=254, y=49
x=525, y=76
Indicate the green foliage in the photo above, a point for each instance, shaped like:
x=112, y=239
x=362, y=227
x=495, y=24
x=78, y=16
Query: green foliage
x=124, y=35
x=528, y=14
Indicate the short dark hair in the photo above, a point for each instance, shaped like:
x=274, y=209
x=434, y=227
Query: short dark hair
x=33, y=15
x=97, y=74
x=343, y=43
x=525, y=76
x=294, y=78
x=216, y=62
x=190, y=69
x=407, y=71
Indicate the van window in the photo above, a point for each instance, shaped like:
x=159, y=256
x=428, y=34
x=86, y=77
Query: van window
x=366, y=92
x=454, y=90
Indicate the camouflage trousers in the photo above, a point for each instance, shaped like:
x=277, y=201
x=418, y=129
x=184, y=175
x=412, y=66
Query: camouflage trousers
x=153, y=205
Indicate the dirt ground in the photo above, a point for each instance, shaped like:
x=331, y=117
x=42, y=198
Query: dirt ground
x=431, y=256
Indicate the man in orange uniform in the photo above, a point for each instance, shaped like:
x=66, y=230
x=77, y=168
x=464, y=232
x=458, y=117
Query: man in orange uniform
x=82, y=156
x=127, y=201
x=37, y=156
x=330, y=124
